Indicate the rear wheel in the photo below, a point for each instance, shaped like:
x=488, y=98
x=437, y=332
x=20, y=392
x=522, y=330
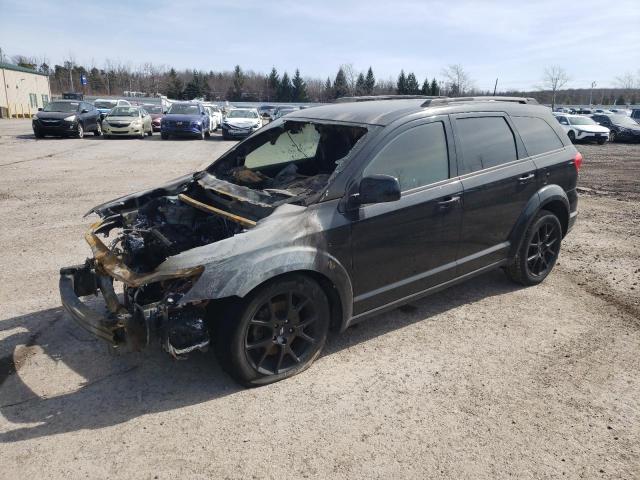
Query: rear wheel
x=277, y=332
x=572, y=136
x=538, y=252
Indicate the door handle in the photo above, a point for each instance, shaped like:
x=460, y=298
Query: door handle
x=449, y=202
x=526, y=178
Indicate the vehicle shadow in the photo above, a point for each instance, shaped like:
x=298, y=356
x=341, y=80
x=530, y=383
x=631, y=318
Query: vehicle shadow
x=119, y=387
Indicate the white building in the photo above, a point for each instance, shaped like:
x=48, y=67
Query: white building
x=22, y=92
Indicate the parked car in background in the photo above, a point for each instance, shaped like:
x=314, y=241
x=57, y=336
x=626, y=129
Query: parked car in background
x=323, y=219
x=282, y=111
x=580, y=128
x=72, y=96
x=565, y=110
x=185, y=119
x=635, y=114
x=623, y=128
x=66, y=118
x=127, y=122
x=621, y=111
x=104, y=105
x=584, y=111
x=602, y=111
x=266, y=111
x=241, y=122
x=215, y=116
x=156, y=113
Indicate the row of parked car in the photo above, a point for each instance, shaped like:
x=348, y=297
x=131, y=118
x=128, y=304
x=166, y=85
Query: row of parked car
x=112, y=118
x=600, y=127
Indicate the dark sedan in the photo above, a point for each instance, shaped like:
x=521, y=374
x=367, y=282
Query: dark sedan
x=156, y=113
x=185, y=119
x=65, y=118
x=622, y=128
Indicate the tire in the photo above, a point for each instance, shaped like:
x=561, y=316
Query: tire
x=602, y=141
x=612, y=136
x=538, y=251
x=38, y=133
x=202, y=133
x=572, y=136
x=275, y=333
x=164, y=136
x=80, y=131
x=107, y=136
x=98, y=131
x=150, y=132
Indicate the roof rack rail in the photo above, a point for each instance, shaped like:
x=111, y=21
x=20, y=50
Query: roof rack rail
x=447, y=100
x=371, y=98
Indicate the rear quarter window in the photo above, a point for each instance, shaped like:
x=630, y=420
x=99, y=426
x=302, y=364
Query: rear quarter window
x=537, y=135
x=485, y=142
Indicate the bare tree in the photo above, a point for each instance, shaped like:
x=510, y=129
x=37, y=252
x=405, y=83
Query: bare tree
x=626, y=81
x=554, y=79
x=457, y=80
x=351, y=76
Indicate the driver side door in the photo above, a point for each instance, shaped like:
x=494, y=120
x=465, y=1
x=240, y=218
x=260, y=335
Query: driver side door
x=402, y=248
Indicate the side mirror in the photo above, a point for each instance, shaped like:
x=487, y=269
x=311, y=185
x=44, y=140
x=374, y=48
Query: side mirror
x=378, y=189
x=84, y=110
x=39, y=109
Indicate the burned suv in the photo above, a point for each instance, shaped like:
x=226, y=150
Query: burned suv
x=323, y=218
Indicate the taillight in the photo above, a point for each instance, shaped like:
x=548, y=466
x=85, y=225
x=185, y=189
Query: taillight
x=577, y=161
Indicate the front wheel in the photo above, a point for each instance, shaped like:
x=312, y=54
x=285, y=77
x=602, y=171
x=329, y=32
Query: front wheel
x=538, y=252
x=601, y=141
x=98, y=131
x=164, y=136
x=276, y=333
x=612, y=136
x=572, y=137
x=80, y=131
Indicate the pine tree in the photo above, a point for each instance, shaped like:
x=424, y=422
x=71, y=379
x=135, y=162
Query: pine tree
x=174, y=85
x=327, y=93
x=193, y=88
x=435, y=89
x=273, y=83
x=360, y=85
x=401, y=86
x=299, y=91
x=235, y=91
x=340, y=85
x=369, y=82
x=426, y=88
x=285, y=91
x=412, y=85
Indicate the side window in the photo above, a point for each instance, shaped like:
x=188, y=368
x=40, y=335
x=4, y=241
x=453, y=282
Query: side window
x=537, y=135
x=562, y=120
x=485, y=142
x=416, y=157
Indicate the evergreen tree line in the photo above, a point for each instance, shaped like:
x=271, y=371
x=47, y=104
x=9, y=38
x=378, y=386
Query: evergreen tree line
x=242, y=85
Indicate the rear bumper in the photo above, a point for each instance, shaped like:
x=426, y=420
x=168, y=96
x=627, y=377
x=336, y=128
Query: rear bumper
x=82, y=280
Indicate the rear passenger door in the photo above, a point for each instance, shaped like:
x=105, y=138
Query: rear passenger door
x=404, y=247
x=497, y=179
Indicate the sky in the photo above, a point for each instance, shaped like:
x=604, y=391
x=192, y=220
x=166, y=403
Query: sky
x=512, y=40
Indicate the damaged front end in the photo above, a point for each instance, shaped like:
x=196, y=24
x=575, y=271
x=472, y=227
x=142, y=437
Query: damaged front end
x=161, y=241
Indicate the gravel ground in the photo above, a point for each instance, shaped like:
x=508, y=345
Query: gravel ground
x=484, y=380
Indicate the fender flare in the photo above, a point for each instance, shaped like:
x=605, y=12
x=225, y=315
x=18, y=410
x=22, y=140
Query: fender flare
x=544, y=196
x=237, y=277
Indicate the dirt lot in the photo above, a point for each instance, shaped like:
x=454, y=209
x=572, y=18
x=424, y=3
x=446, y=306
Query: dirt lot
x=484, y=380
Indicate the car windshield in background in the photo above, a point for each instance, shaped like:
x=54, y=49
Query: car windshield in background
x=124, y=112
x=182, y=109
x=62, y=107
x=105, y=103
x=242, y=114
x=581, y=121
x=623, y=120
x=153, y=108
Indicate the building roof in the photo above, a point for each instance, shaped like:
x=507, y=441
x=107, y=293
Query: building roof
x=17, y=68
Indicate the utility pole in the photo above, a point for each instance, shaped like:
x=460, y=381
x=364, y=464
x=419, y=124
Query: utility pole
x=495, y=88
x=593, y=84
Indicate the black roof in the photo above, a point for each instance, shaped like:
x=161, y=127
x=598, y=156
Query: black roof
x=384, y=112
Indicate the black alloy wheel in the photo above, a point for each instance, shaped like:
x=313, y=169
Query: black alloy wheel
x=278, y=333
x=538, y=251
x=572, y=136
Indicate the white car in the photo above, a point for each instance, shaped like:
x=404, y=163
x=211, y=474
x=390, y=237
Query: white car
x=579, y=127
x=215, y=116
x=241, y=122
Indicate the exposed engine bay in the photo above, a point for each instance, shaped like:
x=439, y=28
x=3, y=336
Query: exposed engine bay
x=292, y=162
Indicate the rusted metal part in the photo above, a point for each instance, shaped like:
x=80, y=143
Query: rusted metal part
x=245, y=222
x=111, y=265
x=110, y=298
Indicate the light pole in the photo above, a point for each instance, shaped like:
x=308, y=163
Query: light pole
x=593, y=84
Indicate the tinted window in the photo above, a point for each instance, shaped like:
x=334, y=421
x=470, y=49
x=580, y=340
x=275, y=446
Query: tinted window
x=416, y=157
x=537, y=135
x=486, y=142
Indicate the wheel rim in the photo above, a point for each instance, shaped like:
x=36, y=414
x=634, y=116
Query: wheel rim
x=543, y=249
x=99, y=130
x=282, y=333
x=612, y=136
x=80, y=131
